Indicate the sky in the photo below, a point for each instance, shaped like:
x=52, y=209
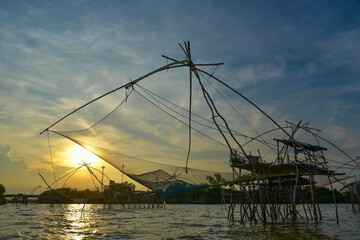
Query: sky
x=298, y=60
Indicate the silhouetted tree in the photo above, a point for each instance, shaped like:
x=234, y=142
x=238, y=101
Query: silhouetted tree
x=217, y=179
x=124, y=187
x=2, y=197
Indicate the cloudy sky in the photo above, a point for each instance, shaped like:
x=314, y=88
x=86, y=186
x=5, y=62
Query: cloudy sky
x=299, y=60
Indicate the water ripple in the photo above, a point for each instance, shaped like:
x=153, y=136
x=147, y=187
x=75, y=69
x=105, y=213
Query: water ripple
x=76, y=221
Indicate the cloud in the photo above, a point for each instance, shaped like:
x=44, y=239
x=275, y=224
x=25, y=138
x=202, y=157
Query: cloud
x=253, y=74
x=343, y=138
x=14, y=175
x=6, y=163
x=342, y=49
x=352, y=143
x=336, y=132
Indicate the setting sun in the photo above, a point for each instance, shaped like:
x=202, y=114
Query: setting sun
x=79, y=155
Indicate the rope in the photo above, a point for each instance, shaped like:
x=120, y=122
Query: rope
x=73, y=172
x=82, y=143
x=150, y=93
x=213, y=108
x=264, y=142
x=153, y=95
x=51, y=158
x=127, y=94
x=91, y=174
x=178, y=119
x=166, y=67
x=62, y=177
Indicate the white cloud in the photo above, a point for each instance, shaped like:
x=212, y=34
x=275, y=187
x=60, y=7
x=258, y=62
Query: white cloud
x=254, y=74
x=336, y=132
x=343, y=49
x=352, y=143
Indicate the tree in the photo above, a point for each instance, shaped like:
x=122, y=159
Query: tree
x=120, y=187
x=216, y=180
x=2, y=197
x=215, y=192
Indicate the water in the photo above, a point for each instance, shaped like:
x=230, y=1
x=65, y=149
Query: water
x=76, y=221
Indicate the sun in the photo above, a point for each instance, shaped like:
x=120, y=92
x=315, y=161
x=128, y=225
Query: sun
x=79, y=155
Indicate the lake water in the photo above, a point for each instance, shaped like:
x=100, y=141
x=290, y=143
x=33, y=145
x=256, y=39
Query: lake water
x=76, y=221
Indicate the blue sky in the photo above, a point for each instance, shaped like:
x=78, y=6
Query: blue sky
x=299, y=60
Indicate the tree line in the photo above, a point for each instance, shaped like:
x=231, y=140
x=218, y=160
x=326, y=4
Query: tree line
x=125, y=193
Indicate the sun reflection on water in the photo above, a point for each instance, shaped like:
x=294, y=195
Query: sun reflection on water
x=79, y=219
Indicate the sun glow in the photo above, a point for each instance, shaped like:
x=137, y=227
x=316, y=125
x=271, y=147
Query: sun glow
x=79, y=155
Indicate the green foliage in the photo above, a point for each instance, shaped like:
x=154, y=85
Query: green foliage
x=119, y=193
x=325, y=195
x=216, y=180
x=2, y=189
x=2, y=197
x=209, y=196
x=120, y=187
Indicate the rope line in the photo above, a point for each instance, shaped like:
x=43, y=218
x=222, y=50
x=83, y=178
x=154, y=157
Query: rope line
x=127, y=94
x=154, y=96
x=186, y=124
x=51, y=158
x=235, y=110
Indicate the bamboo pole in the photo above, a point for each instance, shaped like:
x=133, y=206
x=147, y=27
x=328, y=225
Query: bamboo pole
x=313, y=198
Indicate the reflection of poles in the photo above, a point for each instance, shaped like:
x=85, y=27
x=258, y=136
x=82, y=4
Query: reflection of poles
x=102, y=178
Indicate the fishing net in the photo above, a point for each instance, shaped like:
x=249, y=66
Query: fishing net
x=146, y=136
x=170, y=136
